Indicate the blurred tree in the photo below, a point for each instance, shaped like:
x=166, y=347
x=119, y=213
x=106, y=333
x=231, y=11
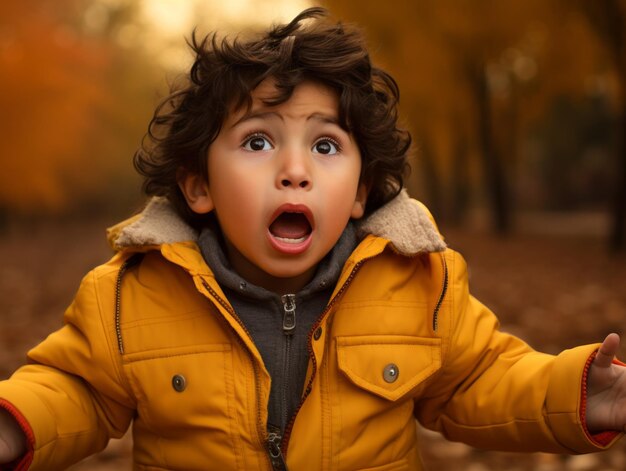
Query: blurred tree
x=566, y=116
x=134, y=83
x=81, y=88
x=447, y=55
x=608, y=18
x=50, y=83
x=476, y=77
x=573, y=165
x=479, y=35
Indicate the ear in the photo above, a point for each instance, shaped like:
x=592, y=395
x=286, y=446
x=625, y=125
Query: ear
x=359, y=202
x=195, y=189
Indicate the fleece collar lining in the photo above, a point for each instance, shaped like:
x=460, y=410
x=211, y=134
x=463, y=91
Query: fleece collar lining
x=403, y=221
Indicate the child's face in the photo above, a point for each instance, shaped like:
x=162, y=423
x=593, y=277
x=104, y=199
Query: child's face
x=283, y=182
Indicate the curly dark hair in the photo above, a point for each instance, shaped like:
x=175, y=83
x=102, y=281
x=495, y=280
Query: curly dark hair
x=226, y=71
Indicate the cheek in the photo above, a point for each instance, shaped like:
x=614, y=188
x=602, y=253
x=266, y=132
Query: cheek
x=239, y=201
x=339, y=198
x=235, y=196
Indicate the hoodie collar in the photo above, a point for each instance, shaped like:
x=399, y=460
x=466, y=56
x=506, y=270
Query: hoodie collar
x=404, y=222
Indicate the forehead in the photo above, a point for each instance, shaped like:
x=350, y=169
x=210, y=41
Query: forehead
x=266, y=90
x=308, y=97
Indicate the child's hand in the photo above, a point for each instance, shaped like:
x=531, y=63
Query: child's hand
x=606, y=390
x=12, y=438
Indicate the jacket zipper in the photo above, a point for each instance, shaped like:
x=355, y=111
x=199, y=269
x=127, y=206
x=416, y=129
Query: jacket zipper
x=309, y=387
x=444, y=289
x=267, y=440
x=128, y=263
x=274, y=440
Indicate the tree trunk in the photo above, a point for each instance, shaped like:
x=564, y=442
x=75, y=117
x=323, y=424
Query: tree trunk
x=460, y=181
x=4, y=220
x=432, y=185
x=607, y=18
x=618, y=230
x=618, y=42
x=495, y=176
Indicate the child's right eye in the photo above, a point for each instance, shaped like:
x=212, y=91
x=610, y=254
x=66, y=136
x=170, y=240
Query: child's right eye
x=257, y=142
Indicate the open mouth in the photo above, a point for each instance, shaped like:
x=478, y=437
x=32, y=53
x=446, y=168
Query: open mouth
x=291, y=227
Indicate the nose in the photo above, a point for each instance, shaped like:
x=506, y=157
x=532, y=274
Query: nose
x=294, y=171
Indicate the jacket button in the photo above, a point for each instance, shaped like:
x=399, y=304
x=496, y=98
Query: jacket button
x=179, y=383
x=390, y=373
x=318, y=333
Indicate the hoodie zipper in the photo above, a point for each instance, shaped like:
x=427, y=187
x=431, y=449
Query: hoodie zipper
x=275, y=438
x=289, y=314
x=289, y=327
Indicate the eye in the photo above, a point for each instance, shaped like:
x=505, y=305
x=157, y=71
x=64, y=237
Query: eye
x=257, y=142
x=326, y=146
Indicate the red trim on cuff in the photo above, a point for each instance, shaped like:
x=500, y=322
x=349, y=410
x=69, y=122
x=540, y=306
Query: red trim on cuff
x=22, y=463
x=600, y=438
x=604, y=438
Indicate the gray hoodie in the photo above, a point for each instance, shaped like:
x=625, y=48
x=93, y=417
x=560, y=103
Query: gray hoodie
x=279, y=326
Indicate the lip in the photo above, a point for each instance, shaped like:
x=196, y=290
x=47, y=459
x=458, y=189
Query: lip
x=291, y=248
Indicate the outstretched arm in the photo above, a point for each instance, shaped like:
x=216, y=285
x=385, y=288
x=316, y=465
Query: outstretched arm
x=606, y=389
x=71, y=397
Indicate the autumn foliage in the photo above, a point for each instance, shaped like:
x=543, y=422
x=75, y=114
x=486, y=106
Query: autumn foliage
x=76, y=103
x=50, y=88
x=514, y=105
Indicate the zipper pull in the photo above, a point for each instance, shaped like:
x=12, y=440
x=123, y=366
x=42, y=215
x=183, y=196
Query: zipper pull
x=289, y=316
x=276, y=454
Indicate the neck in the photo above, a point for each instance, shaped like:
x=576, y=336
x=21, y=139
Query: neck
x=258, y=277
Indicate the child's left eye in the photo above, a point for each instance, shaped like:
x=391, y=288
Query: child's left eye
x=326, y=146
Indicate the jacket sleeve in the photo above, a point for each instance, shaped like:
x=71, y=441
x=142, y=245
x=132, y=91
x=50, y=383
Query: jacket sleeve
x=71, y=394
x=495, y=392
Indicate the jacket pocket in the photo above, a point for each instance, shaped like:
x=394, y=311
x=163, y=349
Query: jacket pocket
x=389, y=366
x=186, y=407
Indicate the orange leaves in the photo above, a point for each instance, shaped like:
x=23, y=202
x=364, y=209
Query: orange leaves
x=49, y=89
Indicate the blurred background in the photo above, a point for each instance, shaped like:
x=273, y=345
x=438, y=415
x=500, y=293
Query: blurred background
x=517, y=109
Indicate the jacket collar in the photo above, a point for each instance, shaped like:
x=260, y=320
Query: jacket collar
x=404, y=222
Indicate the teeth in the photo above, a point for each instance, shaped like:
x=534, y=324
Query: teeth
x=292, y=241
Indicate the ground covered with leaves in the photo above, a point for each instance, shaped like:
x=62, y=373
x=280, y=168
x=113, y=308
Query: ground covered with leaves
x=555, y=292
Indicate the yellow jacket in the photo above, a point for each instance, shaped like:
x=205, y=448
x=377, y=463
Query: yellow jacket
x=155, y=342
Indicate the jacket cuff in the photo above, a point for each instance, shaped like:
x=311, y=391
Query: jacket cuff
x=602, y=439
x=566, y=402
x=23, y=462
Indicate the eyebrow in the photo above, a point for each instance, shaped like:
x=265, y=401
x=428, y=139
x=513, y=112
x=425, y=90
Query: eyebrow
x=325, y=118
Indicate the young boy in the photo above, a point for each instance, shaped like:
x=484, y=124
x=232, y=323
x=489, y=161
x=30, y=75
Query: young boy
x=281, y=302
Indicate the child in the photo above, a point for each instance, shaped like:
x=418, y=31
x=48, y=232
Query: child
x=281, y=302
